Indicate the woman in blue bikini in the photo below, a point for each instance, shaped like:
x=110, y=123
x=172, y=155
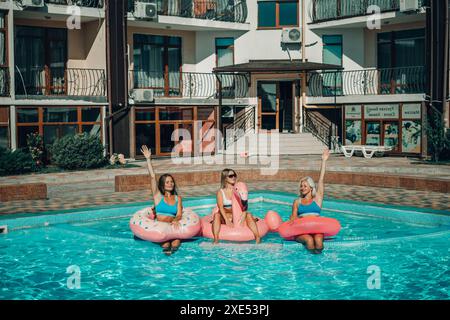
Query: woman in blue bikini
x=168, y=205
x=310, y=203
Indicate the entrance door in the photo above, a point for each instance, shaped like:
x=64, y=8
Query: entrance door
x=269, y=105
x=373, y=133
x=275, y=104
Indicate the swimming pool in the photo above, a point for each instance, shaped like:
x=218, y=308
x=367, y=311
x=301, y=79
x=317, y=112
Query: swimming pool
x=380, y=253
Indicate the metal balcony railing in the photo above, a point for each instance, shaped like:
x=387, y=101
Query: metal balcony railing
x=242, y=124
x=406, y=80
x=80, y=3
x=326, y=10
x=45, y=81
x=190, y=84
x=219, y=10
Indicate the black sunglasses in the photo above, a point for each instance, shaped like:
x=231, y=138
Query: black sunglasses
x=232, y=175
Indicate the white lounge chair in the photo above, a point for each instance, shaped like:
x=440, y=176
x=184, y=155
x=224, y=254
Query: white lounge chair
x=367, y=151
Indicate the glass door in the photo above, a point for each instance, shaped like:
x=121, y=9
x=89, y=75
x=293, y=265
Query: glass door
x=391, y=135
x=269, y=105
x=373, y=133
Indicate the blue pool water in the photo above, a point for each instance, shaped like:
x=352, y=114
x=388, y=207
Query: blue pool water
x=409, y=248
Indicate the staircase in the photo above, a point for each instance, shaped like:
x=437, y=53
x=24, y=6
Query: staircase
x=283, y=144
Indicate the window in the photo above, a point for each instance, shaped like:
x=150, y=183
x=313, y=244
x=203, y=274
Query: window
x=4, y=88
x=157, y=64
x=278, y=14
x=401, y=49
x=4, y=128
x=401, y=60
x=224, y=51
x=41, y=56
x=332, y=54
x=56, y=122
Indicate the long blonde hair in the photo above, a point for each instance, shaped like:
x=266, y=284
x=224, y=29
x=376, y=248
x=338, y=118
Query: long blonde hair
x=223, y=177
x=311, y=183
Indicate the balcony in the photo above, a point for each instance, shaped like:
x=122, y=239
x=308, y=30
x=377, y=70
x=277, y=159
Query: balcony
x=217, y=10
x=328, y=10
x=60, y=82
x=392, y=81
x=190, y=84
x=4, y=82
x=80, y=3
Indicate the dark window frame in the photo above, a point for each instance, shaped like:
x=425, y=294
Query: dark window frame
x=218, y=47
x=277, y=15
x=40, y=123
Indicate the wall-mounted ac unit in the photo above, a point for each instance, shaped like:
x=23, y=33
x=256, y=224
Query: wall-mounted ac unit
x=145, y=10
x=409, y=5
x=33, y=3
x=143, y=95
x=291, y=35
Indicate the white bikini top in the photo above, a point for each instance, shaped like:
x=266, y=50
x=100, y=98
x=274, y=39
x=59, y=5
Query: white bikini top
x=227, y=203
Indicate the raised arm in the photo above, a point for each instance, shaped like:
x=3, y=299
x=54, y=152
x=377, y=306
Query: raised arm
x=148, y=154
x=320, y=186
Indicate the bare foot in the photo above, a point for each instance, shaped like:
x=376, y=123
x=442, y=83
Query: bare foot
x=258, y=240
x=216, y=241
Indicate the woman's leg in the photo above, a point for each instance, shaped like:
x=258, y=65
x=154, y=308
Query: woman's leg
x=306, y=240
x=166, y=247
x=216, y=226
x=318, y=240
x=252, y=225
x=175, y=244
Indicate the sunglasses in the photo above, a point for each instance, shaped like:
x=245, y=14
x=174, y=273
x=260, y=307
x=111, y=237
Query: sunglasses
x=232, y=175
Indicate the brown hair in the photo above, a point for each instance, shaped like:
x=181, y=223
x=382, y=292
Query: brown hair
x=162, y=183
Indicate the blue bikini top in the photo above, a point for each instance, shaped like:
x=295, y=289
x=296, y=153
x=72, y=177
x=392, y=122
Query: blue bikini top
x=310, y=209
x=163, y=208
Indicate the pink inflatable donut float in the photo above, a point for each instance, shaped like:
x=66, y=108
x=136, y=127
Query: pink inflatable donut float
x=240, y=232
x=329, y=227
x=144, y=226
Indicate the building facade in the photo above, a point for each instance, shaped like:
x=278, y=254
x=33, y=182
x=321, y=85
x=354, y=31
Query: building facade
x=53, y=73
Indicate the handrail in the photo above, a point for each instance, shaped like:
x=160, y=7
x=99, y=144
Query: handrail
x=372, y=81
x=49, y=81
x=81, y=3
x=318, y=127
x=190, y=84
x=243, y=124
x=328, y=10
x=219, y=10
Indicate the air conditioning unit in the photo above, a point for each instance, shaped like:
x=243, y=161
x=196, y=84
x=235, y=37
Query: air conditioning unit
x=291, y=35
x=33, y=3
x=409, y=5
x=143, y=95
x=145, y=10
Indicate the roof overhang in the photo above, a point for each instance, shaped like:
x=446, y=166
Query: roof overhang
x=276, y=66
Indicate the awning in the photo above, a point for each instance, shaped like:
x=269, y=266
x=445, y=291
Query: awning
x=276, y=66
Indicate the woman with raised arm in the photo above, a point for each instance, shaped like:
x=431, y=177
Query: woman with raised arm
x=167, y=203
x=310, y=204
x=225, y=212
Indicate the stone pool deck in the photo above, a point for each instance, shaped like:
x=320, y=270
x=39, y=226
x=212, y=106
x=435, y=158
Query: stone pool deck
x=82, y=189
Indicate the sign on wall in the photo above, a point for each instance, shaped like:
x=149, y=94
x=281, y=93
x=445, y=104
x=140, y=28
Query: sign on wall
x=382, y=111
x=353, y=132
x=411, y=136
x=412, y=111
x=353, y=112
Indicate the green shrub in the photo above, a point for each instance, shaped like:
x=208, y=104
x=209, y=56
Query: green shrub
x=80, y=151
x=15, y=162
x=438, y=137
x=36, y=149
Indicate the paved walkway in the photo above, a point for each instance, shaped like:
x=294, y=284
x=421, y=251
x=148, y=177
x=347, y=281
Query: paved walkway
x=91, y=188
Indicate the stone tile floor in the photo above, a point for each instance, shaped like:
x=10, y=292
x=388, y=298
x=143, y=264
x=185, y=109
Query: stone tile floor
x=80, y=189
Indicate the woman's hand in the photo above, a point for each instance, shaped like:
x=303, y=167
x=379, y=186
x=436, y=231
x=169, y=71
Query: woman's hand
x=325, y=155
x=228, y=222
x=146, y=152
x=176, y=223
